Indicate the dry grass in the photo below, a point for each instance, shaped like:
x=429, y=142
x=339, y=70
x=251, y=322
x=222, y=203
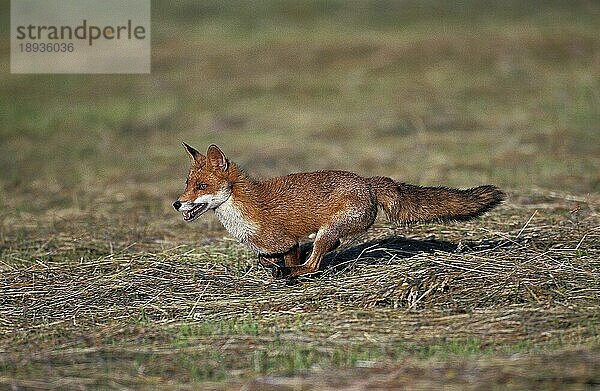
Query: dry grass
x=525, y=279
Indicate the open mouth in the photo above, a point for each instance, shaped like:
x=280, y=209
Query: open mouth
x=192, y=214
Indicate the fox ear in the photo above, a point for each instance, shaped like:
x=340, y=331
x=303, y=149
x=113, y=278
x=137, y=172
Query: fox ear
x=217, y=158
x=194, y=154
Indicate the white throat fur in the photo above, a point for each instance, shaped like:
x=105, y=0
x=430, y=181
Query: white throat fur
x=236, y=223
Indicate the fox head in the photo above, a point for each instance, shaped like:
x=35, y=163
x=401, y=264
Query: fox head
x=207, y=185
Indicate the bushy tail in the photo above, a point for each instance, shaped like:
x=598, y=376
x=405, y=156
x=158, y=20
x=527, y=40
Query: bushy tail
x=405, y=203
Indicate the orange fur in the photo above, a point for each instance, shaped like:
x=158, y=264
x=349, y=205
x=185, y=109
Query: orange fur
x=271, y=216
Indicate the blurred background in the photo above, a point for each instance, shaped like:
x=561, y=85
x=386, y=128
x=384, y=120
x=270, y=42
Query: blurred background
x=103, y=284
x=429, y=92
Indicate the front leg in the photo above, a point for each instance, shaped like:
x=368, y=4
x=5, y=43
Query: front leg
x=292, y=257
x=290, y=261
x=277, y=254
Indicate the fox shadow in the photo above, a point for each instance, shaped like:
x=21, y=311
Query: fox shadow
x=381, y=250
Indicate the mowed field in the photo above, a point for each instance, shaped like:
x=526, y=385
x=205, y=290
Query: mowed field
x=103, y=286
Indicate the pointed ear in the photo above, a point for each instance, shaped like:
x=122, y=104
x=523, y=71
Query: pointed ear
x=194, y=154
x=217, y=158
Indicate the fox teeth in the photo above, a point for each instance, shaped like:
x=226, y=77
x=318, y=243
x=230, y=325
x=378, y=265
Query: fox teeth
x=191, y=214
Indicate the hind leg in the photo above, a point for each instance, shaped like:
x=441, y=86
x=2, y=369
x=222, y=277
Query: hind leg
x=324, y=242
x=350, y=222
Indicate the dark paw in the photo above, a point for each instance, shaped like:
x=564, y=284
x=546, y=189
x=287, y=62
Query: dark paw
x=292, y=273
x=280, y=272
x=288, y=272
x=292, y=281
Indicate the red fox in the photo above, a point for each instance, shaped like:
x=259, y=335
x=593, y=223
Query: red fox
x=272, y=216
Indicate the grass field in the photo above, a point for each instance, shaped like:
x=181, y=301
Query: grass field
x=103, y=286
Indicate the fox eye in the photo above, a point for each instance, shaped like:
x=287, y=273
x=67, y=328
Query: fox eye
x=201, y=186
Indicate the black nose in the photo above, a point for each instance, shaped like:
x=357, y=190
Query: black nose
x=177, y=205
